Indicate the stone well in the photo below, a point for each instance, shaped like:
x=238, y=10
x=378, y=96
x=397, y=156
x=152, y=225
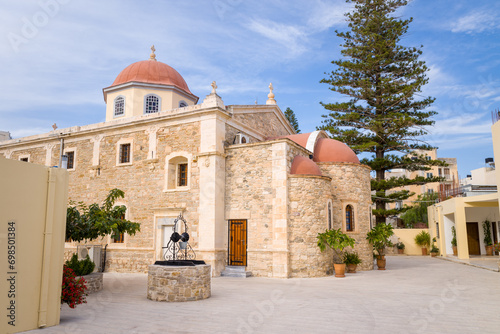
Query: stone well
x=179, y=283
x=94, y=282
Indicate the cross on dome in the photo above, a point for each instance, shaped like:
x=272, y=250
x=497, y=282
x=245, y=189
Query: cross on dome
x=152, y=56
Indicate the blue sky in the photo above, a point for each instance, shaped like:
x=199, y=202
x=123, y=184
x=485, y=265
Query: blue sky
x=57, y=55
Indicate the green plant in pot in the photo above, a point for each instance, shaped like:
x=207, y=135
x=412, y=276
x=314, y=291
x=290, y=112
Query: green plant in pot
x=454, y=241
x=379, y=238
x=423, y=239
x=401, y=247
x=434, y=248
x=338, y=241
x=488, y=243
x=351, y=260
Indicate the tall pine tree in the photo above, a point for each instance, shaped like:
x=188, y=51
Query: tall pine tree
x=290, y=116
x=384, y=114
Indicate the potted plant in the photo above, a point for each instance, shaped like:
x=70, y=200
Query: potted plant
x=487, y=238
x=401, y=247
x=351, y=260
x=338, y=241
x=434, y=249
x=454, y=241
x=379, y=238
x=423, y=239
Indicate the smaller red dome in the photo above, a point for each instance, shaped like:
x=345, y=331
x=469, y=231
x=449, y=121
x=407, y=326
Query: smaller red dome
x=304, y=166
x=331, y=150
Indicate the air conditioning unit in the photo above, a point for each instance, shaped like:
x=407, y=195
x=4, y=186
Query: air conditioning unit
x=240, y=139
x=93, y=251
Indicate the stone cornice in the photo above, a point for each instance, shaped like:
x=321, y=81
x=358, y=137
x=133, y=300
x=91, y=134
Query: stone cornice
x=305, y=176
x=131, y=123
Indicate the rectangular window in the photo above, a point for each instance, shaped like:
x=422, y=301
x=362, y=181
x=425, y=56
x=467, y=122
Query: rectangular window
x=437, y=230
x=24, y=159
x=71, y=159
x=429, y=175
x=124, y=153
x=182, y=182
x=118, y=239
x=440, y=172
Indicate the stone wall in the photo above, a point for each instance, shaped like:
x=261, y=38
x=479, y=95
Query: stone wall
x=308, y=216
x=94, y=282
x=265, y=122
x=179, y=284
x=351, y=186
x=259, y=193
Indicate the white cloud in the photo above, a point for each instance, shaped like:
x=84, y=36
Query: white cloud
x=292, y=37
x=325, y=15
x=475, y=22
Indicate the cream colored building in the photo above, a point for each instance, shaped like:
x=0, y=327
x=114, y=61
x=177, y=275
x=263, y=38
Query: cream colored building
x=445, y=188
x=227, y=168
x=467, y=215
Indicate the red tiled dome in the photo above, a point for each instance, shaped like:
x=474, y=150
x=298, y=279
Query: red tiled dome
x=153, y=72
x=304, y=166
x=331, y=150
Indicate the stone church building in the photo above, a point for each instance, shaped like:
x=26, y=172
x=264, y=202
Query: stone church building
x=253, y=192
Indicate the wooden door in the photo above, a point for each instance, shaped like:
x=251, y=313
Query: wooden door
x=473, y=238
x=238, y=242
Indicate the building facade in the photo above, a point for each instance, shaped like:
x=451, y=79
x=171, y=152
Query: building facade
x=223, y=167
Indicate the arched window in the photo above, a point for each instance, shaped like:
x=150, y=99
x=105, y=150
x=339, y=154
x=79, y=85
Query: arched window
x=151, y=104
x=182, y=104
x=177, y=172
x=330, y=216
x=349, y=218
x=119, y=106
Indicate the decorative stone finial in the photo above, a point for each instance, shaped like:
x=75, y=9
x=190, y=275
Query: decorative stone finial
x=152, y=56
x=214, y=87
x=270, y=96
x=54, y=126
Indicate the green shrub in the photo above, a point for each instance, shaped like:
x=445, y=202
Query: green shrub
x=454, y=234
x=423, y=239
x=351, y=258
x=80, y=267
x=400, y=245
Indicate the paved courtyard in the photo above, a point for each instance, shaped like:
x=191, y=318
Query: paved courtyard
x=414, y=295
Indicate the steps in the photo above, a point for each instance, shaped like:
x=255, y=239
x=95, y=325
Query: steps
x=236, y=271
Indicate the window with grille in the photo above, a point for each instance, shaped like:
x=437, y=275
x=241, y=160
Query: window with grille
x=152, y=104
x=182, y=175
x=349, y=218
x=71, y=159
x=124, y=153
x=119, y=106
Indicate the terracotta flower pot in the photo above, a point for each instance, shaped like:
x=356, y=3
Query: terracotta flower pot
x=424, y=251
x=381, y=262
x=339, y=269
x=351, y=268
x=434, y=254
x=455, y=251
x=401, y=251
x=489, y=250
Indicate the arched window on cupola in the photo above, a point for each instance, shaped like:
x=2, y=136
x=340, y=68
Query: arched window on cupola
x=151, y=104
x=119, y=106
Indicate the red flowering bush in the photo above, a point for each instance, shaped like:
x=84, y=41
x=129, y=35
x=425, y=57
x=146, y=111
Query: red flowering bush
x=73, y=290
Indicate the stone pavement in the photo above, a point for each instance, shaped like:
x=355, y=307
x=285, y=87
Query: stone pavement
x=414, y=295
x=484, y=262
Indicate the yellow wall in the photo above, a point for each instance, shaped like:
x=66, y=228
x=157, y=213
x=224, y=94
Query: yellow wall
x=134, y=101
x=407, y=236
x=33, y=202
